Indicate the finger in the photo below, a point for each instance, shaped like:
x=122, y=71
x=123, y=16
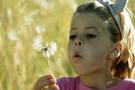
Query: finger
x=44, y=83
x=45, y=88
x=53, y=87
x=46, y=77
x=52, y=82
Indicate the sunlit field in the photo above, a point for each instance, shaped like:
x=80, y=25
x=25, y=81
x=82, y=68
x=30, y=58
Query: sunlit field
x=27, y=27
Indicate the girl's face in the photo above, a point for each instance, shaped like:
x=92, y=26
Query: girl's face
x=89, y=44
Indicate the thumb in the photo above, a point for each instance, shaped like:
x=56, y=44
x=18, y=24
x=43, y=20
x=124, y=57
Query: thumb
x=54, y=87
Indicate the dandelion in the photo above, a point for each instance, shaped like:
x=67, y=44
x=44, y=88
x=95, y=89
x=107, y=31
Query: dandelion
x=48, y=50
x=45, y=51
x=46, y=54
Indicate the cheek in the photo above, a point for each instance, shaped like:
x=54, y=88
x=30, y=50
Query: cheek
x=95, y=55
x=95, y=59
x=97, y=52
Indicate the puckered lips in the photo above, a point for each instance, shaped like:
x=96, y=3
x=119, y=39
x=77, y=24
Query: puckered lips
x=77, y=56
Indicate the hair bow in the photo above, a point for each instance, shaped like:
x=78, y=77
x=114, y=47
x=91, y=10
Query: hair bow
x=115, y=8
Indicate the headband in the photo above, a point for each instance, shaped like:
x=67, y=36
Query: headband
x=115, y=9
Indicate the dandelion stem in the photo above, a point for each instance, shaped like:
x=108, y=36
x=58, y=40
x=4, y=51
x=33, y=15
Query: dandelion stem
x=49, y=66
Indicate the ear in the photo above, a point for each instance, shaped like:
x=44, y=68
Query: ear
x=115, y=51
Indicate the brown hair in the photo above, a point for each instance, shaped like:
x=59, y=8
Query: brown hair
x=124, y=64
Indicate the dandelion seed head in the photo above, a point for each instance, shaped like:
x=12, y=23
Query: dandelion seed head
x=49, y=49
x=46, y=54
x=45, y=51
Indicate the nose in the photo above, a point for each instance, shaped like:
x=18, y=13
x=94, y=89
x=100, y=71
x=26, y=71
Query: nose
x=78, y=43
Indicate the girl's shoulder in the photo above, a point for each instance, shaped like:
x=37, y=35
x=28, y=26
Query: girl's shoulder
x=124, y=84
x=130, y=83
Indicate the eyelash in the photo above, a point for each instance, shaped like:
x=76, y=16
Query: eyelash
x=72, y=37
x=88, y=36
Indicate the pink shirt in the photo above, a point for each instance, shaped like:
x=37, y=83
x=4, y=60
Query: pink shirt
x=73, y=83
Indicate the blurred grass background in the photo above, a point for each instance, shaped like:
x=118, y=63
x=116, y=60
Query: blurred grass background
x=25, y=25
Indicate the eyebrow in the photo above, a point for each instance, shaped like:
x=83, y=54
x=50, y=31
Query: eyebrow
x=86, y=28
x=72, y=29
x=90, y=28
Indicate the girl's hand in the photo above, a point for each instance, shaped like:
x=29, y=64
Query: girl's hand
x=47, y=82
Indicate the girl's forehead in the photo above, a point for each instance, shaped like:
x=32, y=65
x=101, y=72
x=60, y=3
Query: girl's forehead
x=87, y=20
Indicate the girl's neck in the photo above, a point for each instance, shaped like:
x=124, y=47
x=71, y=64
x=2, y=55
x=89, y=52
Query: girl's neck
x=98, y=80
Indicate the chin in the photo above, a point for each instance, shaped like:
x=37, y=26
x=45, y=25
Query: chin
x=88, y=71
x=83, y=72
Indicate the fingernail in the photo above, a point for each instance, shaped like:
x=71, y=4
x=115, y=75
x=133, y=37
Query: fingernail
x=51, y=74
x=52, y=80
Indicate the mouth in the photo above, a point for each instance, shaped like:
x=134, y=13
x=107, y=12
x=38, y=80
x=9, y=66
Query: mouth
x=77, y=56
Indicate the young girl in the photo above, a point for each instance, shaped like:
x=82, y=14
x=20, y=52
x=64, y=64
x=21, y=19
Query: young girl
x=100, y=49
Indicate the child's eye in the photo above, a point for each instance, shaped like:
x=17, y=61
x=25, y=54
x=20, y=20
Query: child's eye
x=72, y=37
x=88, y=36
